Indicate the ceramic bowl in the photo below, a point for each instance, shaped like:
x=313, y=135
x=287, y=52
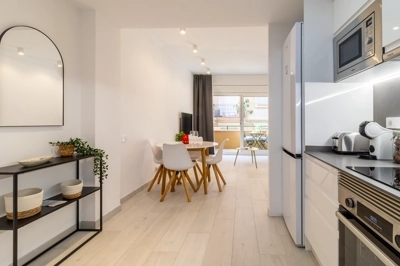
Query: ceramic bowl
x=35, y=161
x=29, y=202
x=72, y=188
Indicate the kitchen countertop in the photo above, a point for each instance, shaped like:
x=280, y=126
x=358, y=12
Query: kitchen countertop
x=340, y=162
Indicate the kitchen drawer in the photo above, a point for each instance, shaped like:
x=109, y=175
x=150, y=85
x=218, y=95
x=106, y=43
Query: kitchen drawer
x=324, y=176
x=323, y=239
x=325, y=206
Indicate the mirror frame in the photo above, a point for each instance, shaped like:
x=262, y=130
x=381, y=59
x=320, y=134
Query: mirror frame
x=63, y=76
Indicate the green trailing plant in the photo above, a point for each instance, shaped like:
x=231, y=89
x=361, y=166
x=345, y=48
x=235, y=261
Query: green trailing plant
x=246, y=106
x=82, y=147
x=178, y=136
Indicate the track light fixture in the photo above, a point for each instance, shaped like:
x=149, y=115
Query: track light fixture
x=208, y=70
x=194, y=48
x=203, y=62
x=59, y=64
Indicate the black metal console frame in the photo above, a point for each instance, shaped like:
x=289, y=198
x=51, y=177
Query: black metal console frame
x=13, y=225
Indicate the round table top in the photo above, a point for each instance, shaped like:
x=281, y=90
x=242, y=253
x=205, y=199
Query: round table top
x=204, y=144
x=248, y=148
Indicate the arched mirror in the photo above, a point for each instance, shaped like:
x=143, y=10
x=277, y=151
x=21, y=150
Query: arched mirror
x=31, y=79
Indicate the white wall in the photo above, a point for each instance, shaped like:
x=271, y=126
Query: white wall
x=154, y=90
x=251, y=80
x=60, y=21
x=318, y=36
x=108, y=106
x=335, y=107
x=277, y=36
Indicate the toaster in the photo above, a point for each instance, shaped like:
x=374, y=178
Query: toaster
x=349, y=143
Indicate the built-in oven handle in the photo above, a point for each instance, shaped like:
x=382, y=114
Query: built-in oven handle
x=374, y=249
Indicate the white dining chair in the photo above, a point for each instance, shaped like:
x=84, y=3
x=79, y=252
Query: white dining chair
x=213, y=161
x=176, y=158
x=158, y=159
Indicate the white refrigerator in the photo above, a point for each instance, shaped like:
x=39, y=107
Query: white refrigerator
x=292, y=182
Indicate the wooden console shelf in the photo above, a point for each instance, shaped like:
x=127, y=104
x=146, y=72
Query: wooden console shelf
x=15, y=170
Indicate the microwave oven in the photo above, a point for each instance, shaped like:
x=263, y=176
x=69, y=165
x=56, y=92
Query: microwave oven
x=359, y=45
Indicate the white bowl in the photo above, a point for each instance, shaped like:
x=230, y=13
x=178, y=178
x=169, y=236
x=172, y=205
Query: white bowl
x=71, y=187
x=35, y=161
x=28, y=199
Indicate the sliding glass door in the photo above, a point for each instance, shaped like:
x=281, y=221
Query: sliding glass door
x=241, y=119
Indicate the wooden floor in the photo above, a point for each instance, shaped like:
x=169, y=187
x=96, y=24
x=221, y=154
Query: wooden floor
x=227, y=228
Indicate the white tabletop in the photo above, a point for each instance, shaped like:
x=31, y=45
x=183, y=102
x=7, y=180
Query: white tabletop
x=204, y=144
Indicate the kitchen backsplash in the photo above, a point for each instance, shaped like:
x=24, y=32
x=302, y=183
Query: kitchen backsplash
x=386, y=100
x=334, y=107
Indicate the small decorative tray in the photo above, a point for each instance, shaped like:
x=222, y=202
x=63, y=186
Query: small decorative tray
x=35, y=161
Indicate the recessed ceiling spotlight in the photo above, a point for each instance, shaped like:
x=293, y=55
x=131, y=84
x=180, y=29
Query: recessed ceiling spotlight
x=203, y=62
x=183, y=31
x=396, y=28
x=20, y=51
x=194, y=48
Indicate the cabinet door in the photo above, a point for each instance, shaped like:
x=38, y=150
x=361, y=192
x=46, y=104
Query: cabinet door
x=321, y=203
x=390, y=24
x=344, y=10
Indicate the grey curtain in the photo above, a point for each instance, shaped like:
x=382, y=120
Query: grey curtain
x=202, y=107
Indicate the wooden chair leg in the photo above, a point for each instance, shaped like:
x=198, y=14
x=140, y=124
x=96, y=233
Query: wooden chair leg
x=236, y=157
x=160, y=172
x=198, y=168
x=156, y=176
x=174, y=183
x=254, y=154
x=163, y=180
x=185, y=186
x=168, y=186
x=216, y=177
x=220, y=175
x=209, y=173
x=178, y=178
x=190, y=181
x=195, y=174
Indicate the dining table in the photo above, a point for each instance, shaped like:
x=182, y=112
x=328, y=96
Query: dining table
x=202, y=147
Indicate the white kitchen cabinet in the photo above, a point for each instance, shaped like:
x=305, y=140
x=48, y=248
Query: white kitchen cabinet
x=321, y=204
x=390, y=24
x=345, y=10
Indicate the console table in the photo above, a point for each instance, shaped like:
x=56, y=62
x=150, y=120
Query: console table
x=15, y=224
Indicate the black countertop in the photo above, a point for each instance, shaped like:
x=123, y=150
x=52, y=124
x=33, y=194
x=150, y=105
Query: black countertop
x=340, y=162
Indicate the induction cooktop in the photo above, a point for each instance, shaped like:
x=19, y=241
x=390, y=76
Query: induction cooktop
x=389, y=176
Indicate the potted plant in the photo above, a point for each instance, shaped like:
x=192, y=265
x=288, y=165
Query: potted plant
x=396, y=146
x=82, y=147
x=245, y=109
x=178, y=136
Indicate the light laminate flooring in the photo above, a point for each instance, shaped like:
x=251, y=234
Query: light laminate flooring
x=222, y=228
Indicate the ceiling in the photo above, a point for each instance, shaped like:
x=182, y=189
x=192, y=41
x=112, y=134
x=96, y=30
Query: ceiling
x=231, y=35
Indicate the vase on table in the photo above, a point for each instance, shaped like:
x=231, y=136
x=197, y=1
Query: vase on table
x=185, y=139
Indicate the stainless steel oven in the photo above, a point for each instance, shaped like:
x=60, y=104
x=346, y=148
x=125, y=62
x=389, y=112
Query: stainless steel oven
x=359, y=45
x=369, y=224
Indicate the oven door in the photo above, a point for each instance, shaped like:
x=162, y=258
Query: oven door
x=359, y=246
